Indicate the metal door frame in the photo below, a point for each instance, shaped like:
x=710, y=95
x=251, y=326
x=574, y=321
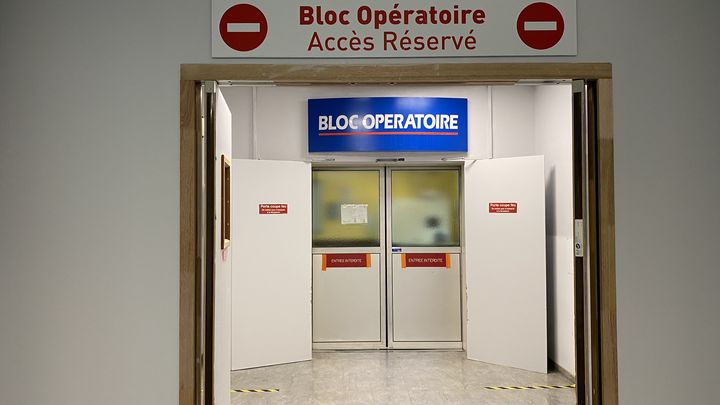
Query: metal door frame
x=205, y=288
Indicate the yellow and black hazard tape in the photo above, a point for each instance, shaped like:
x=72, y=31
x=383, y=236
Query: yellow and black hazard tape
x=533, y=387
x=254, y=391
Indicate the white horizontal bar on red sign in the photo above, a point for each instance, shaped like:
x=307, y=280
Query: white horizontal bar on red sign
x=540, y=26
x=243, y=27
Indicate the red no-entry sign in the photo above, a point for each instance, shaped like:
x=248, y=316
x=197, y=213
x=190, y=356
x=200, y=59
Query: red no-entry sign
x=540, y=26
x=243, y=27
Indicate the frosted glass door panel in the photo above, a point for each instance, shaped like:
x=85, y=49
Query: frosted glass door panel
x=425, y=208
x=346, y=208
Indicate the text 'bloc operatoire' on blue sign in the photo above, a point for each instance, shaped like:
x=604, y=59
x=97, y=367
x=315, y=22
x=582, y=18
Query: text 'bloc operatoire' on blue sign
x=388, y=124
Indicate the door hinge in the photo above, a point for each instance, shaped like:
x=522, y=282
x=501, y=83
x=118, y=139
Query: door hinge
x=210, y=86
x=579, y=242
x=578, y=86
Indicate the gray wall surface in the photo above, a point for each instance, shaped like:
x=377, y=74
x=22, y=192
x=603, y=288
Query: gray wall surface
x=89, y=183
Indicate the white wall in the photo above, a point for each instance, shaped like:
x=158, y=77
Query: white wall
x=513, y=114
x=281, y=118
x=240, y=100
x=89, y=182
x=553, y=139
x=537, y=120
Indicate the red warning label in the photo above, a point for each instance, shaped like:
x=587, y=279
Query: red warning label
x=433, y=260
x=346, y=260
x=503, y=208
x=273, y=209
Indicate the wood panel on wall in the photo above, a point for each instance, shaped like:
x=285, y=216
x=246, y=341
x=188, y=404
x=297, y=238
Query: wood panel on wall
x=188, y=232
x=606, y=218
x=377, y=73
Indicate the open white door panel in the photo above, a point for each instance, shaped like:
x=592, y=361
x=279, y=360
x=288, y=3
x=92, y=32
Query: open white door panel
x=222, y=257
x=272, y=263
x=505, y=259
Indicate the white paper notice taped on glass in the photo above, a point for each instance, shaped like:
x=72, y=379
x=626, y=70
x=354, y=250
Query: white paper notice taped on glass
x=353, y=214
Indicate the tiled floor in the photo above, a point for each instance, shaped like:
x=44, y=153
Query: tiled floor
x=395, y=377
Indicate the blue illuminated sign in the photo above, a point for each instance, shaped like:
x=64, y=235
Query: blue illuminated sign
x=387, y=124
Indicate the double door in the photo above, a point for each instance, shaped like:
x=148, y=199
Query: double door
x=386, y=258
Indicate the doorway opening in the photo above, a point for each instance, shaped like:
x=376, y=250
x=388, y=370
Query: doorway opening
x=594, y=288
x=386, y=258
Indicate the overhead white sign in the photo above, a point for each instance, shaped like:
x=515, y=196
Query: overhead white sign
x=413, y=28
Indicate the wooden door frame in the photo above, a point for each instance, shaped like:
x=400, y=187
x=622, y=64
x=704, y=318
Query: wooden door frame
x=601, y=171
